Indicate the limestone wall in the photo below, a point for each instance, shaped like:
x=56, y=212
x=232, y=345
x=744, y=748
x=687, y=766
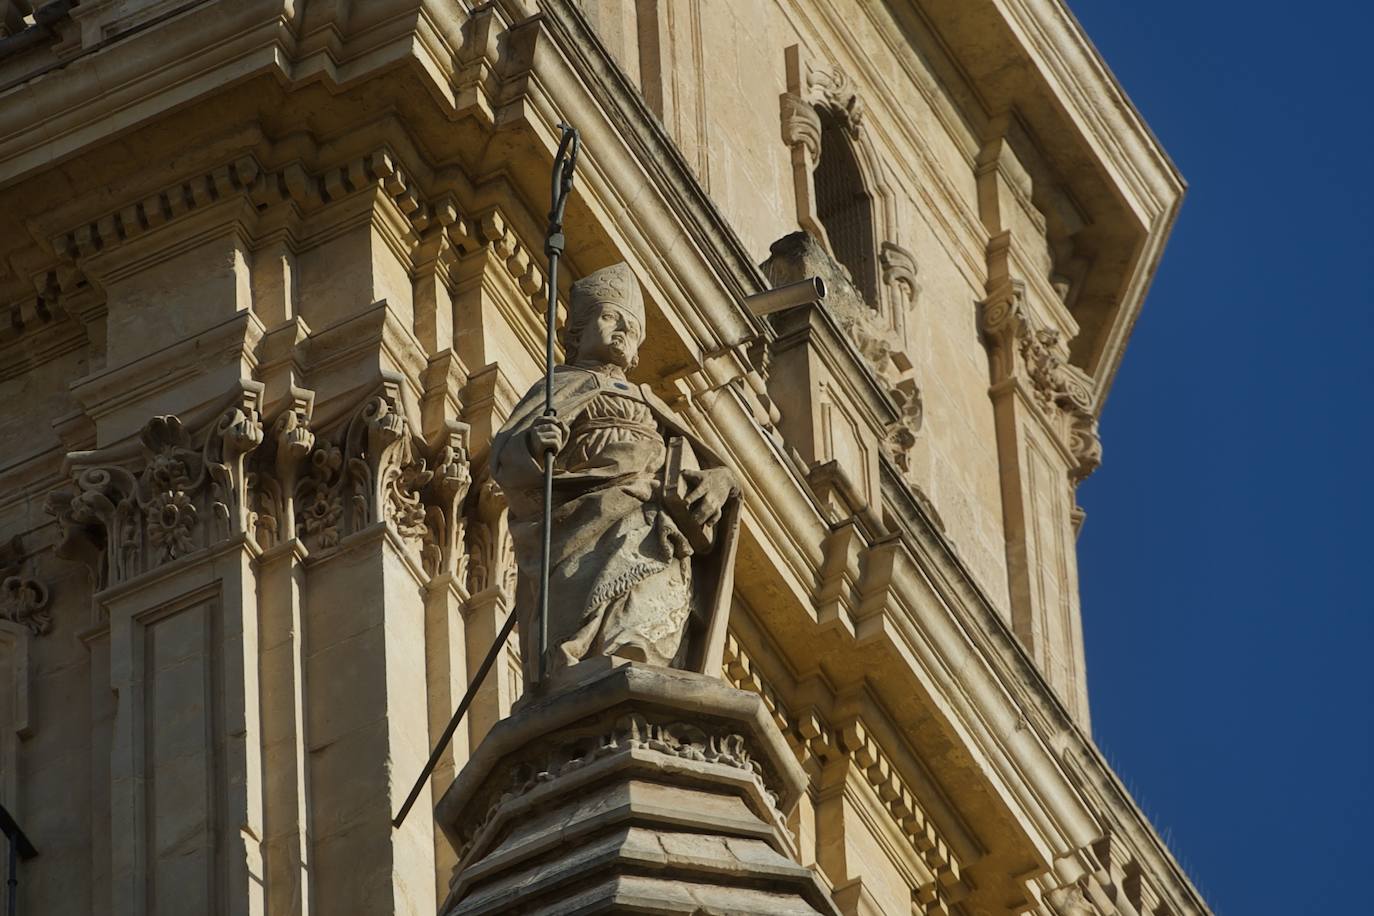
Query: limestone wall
x=723, y=70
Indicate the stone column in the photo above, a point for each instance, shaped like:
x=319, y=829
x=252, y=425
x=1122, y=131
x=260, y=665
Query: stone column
x=624, y=787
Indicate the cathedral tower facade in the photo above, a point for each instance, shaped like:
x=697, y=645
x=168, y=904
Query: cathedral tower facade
x=275, y=279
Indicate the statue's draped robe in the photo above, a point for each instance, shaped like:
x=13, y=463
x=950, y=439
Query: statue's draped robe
x=624, y=580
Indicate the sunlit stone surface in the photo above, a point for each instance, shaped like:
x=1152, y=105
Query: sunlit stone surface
x=273, y=277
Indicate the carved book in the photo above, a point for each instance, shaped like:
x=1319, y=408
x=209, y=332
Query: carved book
x=676, y=486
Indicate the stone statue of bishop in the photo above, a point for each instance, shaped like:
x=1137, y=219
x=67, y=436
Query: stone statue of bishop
x=645, y=517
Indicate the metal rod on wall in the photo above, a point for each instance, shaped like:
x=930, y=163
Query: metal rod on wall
x=458, y=714
x=563, y=165
x=13, y=908
x=20, y=848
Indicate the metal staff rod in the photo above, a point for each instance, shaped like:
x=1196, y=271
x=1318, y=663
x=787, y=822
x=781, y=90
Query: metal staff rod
x=458, y=714
x=563, y=166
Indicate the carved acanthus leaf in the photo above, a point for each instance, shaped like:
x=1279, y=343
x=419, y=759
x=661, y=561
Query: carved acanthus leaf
x=899, y=272
x=490, y=547
x=801, y=125
x=23, y=598
x=369, y=471
x=834, y=91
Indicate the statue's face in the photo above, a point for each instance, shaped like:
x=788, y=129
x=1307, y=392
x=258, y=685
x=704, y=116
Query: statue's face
x=612, y=337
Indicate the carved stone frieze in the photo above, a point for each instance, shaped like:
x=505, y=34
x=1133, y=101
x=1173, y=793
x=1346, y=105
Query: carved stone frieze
x=23, y=598
x=125, y=518
x=628, y=734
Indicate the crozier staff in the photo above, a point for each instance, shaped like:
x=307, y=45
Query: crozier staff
x=644, y=516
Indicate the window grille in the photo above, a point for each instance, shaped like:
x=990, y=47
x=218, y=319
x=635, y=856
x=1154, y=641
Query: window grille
x=845, y=207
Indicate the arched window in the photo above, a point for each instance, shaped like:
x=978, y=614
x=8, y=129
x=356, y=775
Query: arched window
x=844, y=207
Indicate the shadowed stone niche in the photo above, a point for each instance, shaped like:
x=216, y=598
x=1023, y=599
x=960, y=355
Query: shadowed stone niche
x=629, y=788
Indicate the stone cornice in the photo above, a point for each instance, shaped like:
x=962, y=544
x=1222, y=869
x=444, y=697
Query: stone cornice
x=170, y=59
x=1066, y=749
x=30, y=343
x=1032, y=57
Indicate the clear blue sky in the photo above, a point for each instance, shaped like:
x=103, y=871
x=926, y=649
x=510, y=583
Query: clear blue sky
x=1226, y=558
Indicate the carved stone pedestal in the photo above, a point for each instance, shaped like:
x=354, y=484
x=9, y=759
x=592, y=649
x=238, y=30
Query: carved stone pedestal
x=629, y=789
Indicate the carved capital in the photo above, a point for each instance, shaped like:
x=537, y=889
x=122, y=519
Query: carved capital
x=491, y=549
x=443, y=547
x=1003, y=321
x=237, y=433
x=1085, y=442
x=369, y=471
x=272, y=483
x=126, y=517
x=1022, y=349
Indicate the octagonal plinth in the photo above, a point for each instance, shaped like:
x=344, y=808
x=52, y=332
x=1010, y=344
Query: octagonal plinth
x=629, y=789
